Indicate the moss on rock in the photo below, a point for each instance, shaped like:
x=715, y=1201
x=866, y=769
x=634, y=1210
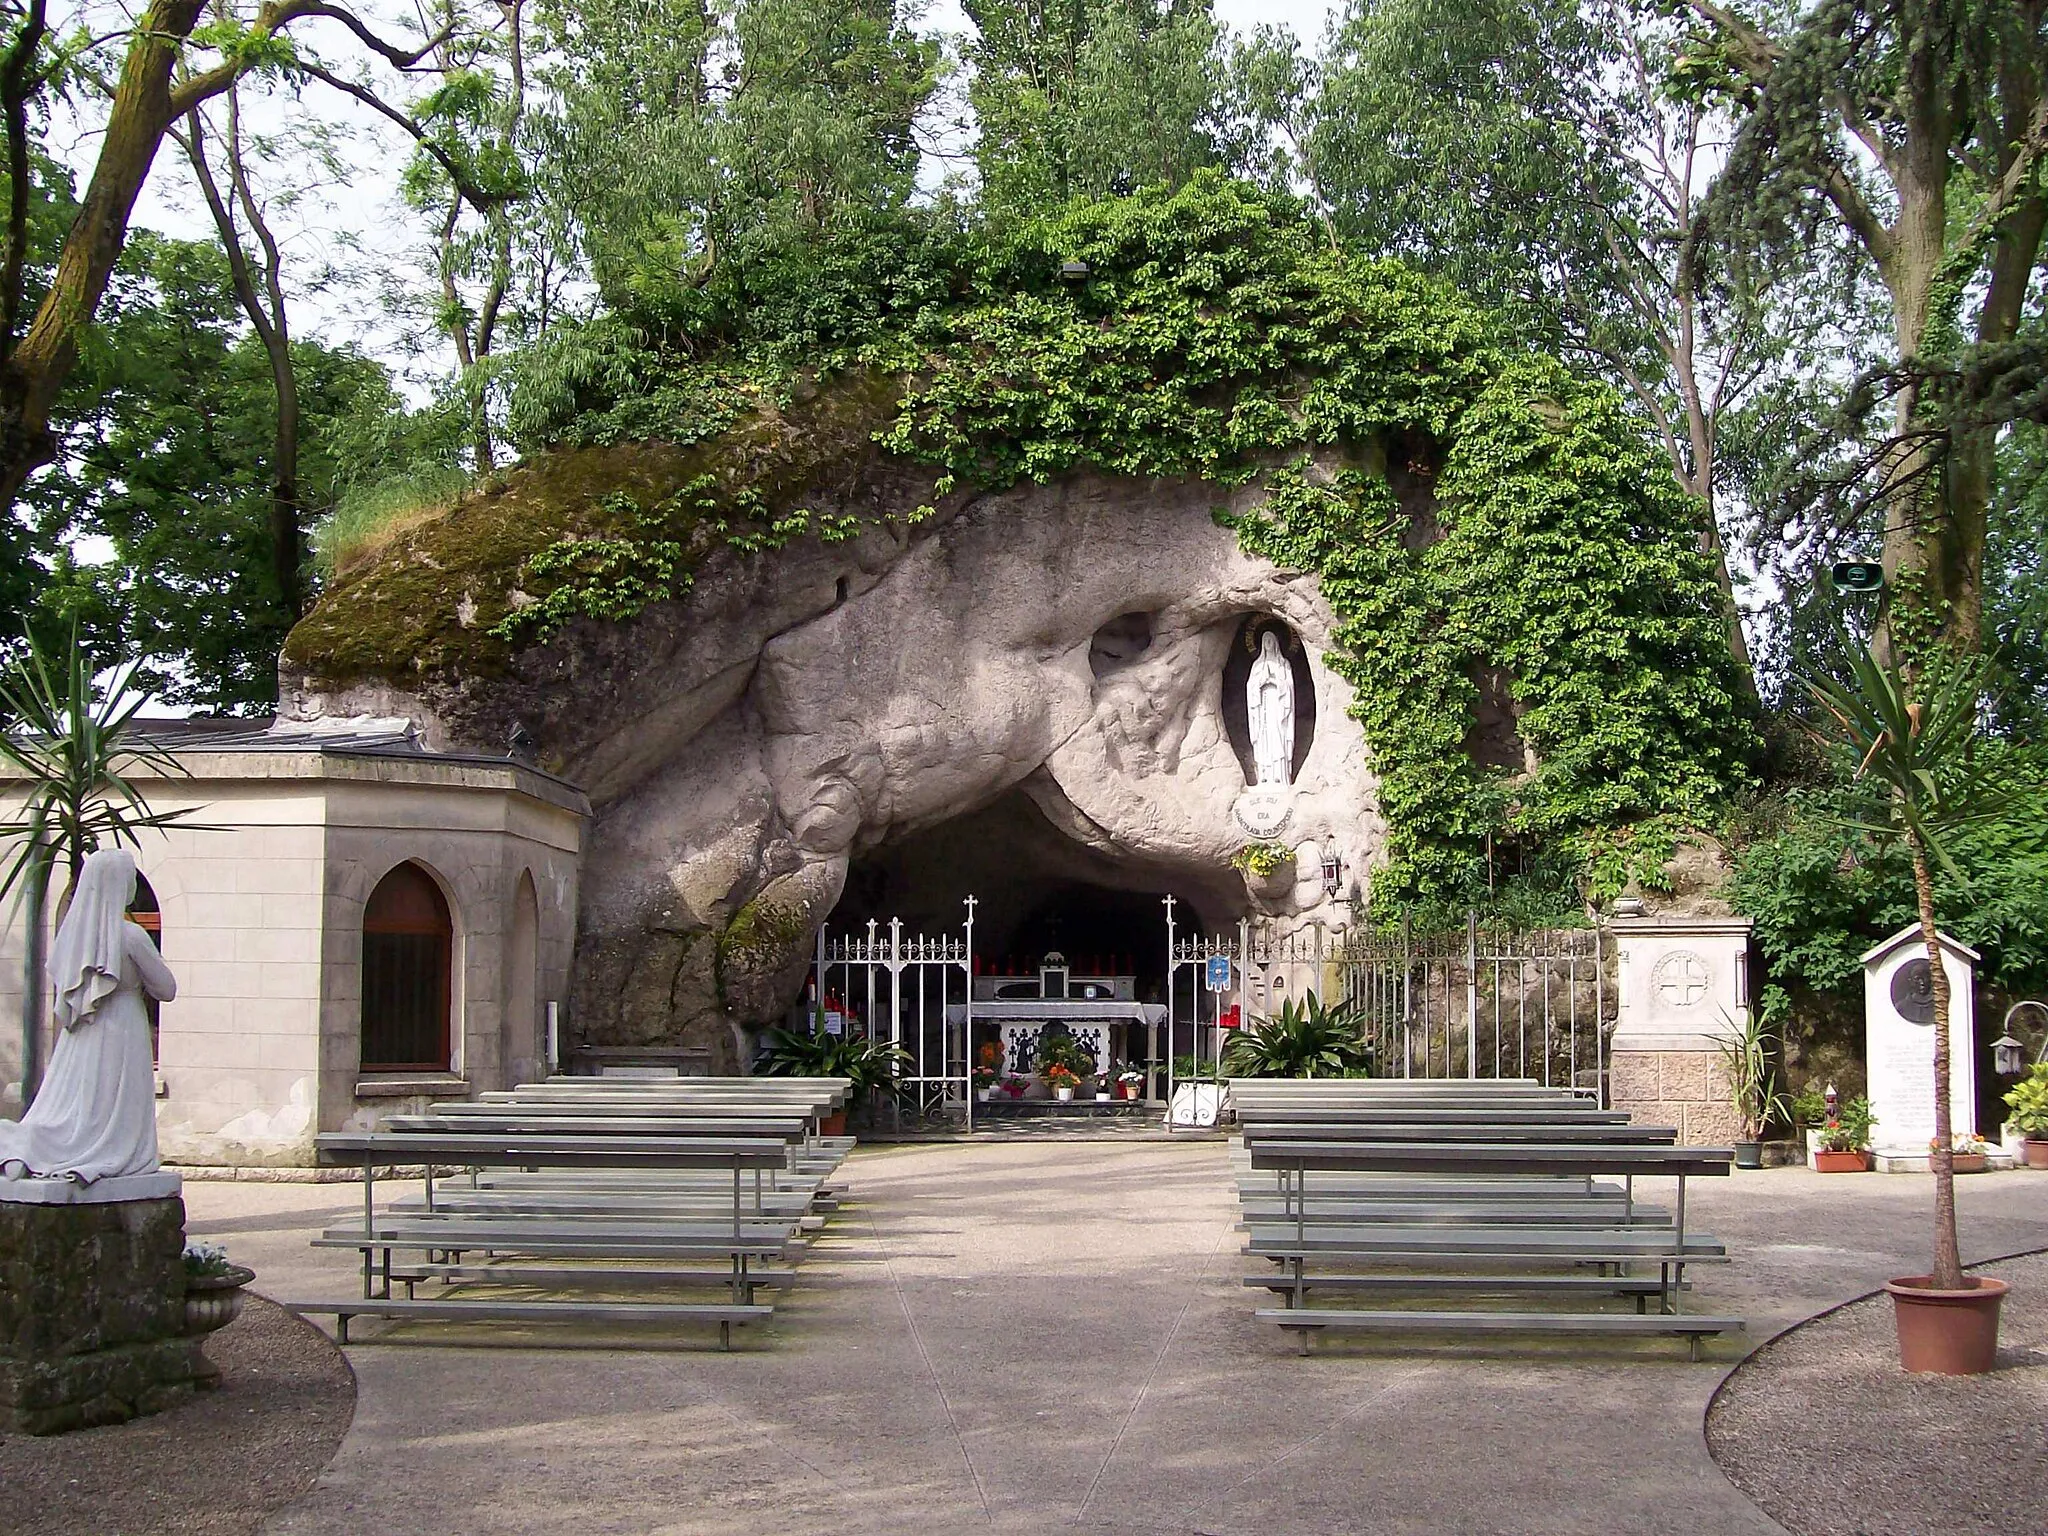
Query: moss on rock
x=436, y=599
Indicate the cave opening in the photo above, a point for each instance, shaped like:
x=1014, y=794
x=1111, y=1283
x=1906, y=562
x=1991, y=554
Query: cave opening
x=1040, y=892
x=1036, y=891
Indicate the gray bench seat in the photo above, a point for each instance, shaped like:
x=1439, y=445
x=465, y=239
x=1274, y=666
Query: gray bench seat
x=1272, y=1209
x=1600, y=1245
x=444, y=1308
x=1692, y=1326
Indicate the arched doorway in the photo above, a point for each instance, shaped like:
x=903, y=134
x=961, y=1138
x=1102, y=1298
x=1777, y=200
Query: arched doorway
x=148, y=916
x=408, y=953
x=520, y=1044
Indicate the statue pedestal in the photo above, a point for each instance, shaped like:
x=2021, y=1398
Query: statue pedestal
x=92, y=1302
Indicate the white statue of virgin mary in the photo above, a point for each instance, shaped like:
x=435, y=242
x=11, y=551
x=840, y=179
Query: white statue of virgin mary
x=1269, y=712
x=95, y=1116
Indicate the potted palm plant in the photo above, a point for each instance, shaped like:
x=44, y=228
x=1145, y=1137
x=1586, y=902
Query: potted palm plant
x=1753, y=1092
x=2027, y=1100
x=1844, y=1145
x=1913, y=735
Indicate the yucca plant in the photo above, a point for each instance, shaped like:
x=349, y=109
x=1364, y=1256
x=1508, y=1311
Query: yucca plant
x=1306, y=1039
x=1914, y=733
x=74, y=744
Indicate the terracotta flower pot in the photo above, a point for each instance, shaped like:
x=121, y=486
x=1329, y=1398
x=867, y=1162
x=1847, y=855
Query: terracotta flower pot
x=833, y=1124
x=1841, y=1162
x=1970, y=1162
x=1947, y=1333
x=2035, y=1150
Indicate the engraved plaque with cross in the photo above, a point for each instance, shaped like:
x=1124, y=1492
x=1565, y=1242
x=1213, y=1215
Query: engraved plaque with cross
x=1682, y=979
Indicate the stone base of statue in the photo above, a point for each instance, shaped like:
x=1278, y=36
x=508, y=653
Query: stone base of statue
x=92, y=1302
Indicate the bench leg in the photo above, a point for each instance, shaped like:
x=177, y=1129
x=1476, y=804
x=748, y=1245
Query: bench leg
x=1692, y=1344
x=341, y=1326
x=725, y=1336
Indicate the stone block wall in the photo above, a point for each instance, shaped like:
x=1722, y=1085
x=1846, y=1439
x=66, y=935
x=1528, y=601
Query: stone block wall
x=92, y=1314
x=1686, y=1089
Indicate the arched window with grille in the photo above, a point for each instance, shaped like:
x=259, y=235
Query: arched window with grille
x=149, y=918
x=408, y=949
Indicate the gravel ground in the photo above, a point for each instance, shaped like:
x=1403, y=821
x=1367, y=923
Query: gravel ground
x=1831, y=1438
x=215, y=1465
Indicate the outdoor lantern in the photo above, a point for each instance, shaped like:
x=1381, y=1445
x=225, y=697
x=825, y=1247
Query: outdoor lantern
x=2009, y=1056
x=1333, y=871
x=1074, y=271
x=1857, y=575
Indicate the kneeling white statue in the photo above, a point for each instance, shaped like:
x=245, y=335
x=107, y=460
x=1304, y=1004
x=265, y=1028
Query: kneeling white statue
x=95, y=1116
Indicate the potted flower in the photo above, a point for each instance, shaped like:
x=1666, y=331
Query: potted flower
x=984, y=1083
x=1130, y=1082
x=1966, y=1151
x=1844, y=1145
x=1061, y=1055
x=213, y=1288
x=1062, y=1080
x=1912, y=733
x=2028, y=1101
x=1014, y=1086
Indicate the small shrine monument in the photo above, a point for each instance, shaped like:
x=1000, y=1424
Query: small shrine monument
x=1898, y=1023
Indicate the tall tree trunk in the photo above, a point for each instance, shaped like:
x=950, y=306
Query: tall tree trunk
x=269, y=318
x=1948, y=1262
x=37, y=366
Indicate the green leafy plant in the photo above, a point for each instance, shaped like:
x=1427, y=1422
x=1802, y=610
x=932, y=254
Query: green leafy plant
x=1305, y=1039
x=1193, y=1069
x=872, y=1065
x=1808, y=1109
x=1850, y=1130
x=1914, y=734
x=1061, y=1052
x=2027, y=1101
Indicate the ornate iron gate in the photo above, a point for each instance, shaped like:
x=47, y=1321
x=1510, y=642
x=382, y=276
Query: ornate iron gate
x=900, y=988
x=1484, y=1002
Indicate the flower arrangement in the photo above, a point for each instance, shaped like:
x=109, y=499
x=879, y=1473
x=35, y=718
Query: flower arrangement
x=985, y=1077
x=1059, y=1075
x=205, y=1260
x=1129, y=1075
x=1262, y=860
x=1962, y=1144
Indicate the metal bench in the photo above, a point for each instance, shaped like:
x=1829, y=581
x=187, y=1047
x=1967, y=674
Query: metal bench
x=1463, y=1246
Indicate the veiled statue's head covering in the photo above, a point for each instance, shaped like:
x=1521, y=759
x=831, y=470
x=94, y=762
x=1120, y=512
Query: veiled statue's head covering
x=85, y=962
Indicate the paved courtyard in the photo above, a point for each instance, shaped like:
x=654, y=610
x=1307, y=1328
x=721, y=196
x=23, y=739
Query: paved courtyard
x=1040, y=1336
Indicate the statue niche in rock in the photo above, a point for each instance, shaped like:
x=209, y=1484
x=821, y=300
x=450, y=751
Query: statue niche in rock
x=1269, y=711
